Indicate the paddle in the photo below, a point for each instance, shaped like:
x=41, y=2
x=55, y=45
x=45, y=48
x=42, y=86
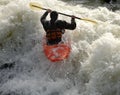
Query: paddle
x=36, y=6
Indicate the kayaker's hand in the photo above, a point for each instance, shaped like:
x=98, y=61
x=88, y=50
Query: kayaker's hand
x=73, y=16
x=48, y=10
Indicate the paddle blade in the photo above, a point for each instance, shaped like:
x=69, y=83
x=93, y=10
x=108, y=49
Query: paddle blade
x=35, y=6
x=88, y=20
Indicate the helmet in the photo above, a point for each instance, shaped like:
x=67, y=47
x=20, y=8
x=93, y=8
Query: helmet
x=53, y=15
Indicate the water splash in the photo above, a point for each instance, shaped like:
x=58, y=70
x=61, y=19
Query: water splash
x=91, y=69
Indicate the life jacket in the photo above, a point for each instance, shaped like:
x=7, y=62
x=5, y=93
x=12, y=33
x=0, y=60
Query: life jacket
x=54, y=34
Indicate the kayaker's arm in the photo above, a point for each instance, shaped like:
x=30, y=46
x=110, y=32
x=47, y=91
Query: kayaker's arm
x=43, y=17
x=71, y=25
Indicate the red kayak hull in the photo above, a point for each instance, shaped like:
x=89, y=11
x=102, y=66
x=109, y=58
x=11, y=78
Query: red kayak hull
x=57, y=52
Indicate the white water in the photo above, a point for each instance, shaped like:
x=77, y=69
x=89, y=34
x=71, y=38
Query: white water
x=93, y=67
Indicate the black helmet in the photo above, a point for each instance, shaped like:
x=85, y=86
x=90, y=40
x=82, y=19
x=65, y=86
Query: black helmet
x=54, y=15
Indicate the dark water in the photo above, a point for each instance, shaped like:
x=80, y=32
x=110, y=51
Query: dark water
x=110, y=4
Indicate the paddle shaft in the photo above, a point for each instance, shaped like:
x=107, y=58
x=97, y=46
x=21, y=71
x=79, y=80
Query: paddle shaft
x=39, y=7
x=57, y=12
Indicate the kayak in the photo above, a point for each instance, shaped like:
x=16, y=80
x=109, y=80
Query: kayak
x=57, y=52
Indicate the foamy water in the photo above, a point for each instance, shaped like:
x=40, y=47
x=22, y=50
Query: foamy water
x=93, y=67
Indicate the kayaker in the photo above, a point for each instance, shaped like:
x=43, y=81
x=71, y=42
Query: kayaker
x=55, y=28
